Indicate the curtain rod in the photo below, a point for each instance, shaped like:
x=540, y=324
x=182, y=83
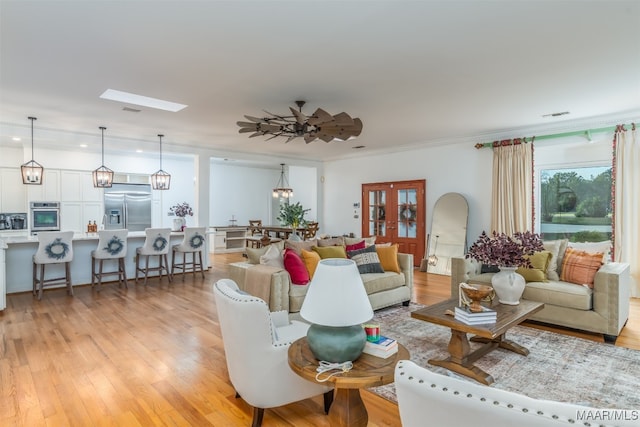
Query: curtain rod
x=586, y=133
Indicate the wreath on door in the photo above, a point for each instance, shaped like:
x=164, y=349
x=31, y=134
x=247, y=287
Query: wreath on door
x=408, y=212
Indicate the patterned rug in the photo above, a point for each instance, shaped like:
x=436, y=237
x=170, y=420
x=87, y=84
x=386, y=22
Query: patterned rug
x=559, y=367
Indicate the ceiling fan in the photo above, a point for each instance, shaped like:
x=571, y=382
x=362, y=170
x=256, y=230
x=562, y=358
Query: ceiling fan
x=320, y=125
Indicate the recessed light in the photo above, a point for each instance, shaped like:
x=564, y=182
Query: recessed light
x=145, y=101
x=16, y=139
x=138, y=151
x=83, y=145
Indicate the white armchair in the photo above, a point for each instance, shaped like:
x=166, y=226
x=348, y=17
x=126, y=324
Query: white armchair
x=451, y=402
x=256, y=343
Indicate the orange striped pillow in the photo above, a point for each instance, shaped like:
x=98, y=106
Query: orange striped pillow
x=580, y=267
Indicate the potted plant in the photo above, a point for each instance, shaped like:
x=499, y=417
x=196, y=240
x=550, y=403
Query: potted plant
x=507, y=253
x=292, y=214
x=181, y=210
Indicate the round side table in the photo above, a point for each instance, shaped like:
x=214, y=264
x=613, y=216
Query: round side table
x=347, y=408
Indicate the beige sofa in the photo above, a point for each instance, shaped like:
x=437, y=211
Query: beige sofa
x=603, y=309
x=383, y=289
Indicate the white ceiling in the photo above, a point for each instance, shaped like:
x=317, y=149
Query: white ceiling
x=415, y=72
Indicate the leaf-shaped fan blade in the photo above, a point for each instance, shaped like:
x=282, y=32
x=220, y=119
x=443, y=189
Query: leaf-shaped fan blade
x=357, y=127
x=308, y=137
x=300, y=118
x=320, y=117
x=274, y=136
x=325, y=137
x=254, y=119
x=343, y=119
x=280, y=117
x=246, y=130
x=248, y=125
x=256, y=134
x=266, y=127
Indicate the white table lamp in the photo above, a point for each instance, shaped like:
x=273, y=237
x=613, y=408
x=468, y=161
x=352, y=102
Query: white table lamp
x=336, y=304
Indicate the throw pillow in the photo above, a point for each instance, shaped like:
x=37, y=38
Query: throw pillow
x=330, y=252
x=311, y=260
x=356, y=246
x=367, y=260
x=272, y=257
x=553, y=246
x=254, y=254
x=298, y=246
x=580, y=267
x=388, y=257
x=538, y=270
x=334, y=241
x=368, y=241
x=295, y=267
x=603, y=247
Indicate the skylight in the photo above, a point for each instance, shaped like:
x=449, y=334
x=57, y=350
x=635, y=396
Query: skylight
x=144, y=101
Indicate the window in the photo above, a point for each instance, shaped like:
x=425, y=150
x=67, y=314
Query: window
x=575, y=203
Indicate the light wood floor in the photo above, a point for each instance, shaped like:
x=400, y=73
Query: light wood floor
x=150, y=356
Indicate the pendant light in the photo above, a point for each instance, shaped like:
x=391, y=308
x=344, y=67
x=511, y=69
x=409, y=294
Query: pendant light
x=32, y=170
x=282, y=187
x=103, y=176
x=161, y=180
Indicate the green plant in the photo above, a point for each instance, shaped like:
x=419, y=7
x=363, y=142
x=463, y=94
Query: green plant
x=292, y=214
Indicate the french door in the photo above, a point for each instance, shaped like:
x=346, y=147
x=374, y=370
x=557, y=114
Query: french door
x=394, y=212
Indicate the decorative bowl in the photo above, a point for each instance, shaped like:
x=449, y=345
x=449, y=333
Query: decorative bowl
x=476, y=293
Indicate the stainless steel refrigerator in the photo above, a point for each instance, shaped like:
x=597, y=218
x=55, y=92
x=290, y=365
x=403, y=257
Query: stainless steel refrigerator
x=127, y=206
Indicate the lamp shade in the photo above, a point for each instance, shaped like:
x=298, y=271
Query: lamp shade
x=336, y=295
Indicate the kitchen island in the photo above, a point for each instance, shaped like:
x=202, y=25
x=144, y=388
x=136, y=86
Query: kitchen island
x=16, y=254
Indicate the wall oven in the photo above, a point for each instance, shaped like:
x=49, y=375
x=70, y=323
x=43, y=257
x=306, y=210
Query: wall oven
x=45, y=216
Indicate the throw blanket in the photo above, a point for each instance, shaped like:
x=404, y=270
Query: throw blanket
x=258, y=281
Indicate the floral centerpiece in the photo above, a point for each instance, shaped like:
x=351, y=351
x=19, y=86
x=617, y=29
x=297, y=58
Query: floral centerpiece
x=502, y=250
x=181, y=210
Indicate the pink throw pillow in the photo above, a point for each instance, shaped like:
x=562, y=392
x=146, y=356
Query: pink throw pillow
x=295, y=267
x=356, y=246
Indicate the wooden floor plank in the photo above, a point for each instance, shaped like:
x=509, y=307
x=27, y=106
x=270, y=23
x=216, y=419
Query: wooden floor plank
x=153, y=356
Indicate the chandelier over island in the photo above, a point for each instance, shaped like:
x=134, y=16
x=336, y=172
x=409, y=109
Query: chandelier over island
x=160, y=180
x=103, y=176
x=32, y=170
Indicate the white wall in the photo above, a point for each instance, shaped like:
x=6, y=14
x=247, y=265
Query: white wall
x=459, y=168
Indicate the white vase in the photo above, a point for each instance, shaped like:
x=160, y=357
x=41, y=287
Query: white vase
x=178, y=223
x=508, y=285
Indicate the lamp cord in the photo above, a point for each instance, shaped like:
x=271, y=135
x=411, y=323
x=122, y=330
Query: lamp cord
x=328, y=366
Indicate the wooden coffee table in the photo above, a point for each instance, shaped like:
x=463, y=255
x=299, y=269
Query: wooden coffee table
x=347, y=408
x=461, y=359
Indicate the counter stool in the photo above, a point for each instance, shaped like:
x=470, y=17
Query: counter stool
x=192, y=243
x=54, y=247
x=156, y=243
x=112, y=245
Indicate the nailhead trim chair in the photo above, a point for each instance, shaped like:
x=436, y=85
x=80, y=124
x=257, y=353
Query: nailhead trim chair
x=112, y=245
x=193, y=243
x=156, y=243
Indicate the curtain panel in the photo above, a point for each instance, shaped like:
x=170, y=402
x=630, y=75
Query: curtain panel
x=512, y=195
x=626, y=203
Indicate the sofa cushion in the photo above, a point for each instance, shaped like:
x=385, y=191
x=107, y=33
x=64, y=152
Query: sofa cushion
x=354, y=247
x=299, y=246
x=603, y=247
x=311, y=260
x=330, y=252
x=367, y=260
x=538, y=270
x=272, y=257
x=378, y=282
x=368, y=241
x=558, y=293
x=295, y=267
x=254, y=254
x=553, y=246
x=580, y=267
x=333, y=241
x=388, y=258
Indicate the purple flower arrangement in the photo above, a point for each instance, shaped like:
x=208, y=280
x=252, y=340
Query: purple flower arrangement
x=502, y=250
x=182, y=209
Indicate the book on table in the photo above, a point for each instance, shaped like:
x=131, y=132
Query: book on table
x=384, y=347
x=464, y=315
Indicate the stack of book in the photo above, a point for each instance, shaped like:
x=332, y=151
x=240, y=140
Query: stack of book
x=464, y=315
x=384, y=347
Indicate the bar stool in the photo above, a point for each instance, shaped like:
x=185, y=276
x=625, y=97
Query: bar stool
x=112, y=245
x=192, y=243
x=54, y=247
x=156, y=243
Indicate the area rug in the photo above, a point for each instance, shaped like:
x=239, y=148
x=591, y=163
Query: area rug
x=559, y=367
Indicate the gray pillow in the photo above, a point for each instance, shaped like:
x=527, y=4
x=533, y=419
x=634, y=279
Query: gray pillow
x=367, y=260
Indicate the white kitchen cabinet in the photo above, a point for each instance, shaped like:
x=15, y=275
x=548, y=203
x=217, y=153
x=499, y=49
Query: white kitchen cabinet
x=70, y=186
x=89, y=192
x=13, y=193
x=49, y=191
x=92, y=211
x=71, y=217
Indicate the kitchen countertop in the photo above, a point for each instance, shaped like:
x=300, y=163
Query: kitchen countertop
x=76, y=237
